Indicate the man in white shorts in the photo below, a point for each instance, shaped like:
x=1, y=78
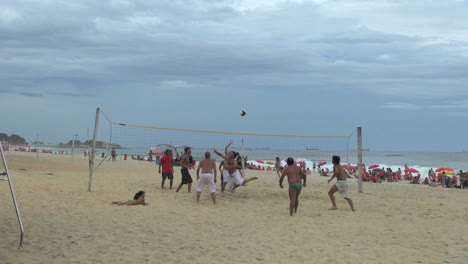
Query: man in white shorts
x=341, y=184
x=225, y=176
x=208, y=176
x=233, y=178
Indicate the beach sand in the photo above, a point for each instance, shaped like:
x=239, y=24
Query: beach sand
x=64, y=223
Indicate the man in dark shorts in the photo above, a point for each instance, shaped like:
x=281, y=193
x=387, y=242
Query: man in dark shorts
x=186, y=165
x=167, y=169
x=113, y=154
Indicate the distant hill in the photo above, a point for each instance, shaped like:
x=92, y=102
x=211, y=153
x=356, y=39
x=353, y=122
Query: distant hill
x=13, y=139
x=89, y=143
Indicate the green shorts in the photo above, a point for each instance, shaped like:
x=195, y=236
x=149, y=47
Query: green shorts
x=296, y=185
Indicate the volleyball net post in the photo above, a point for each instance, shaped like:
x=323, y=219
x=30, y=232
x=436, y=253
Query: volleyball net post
x=359, y=158
x=13, y=195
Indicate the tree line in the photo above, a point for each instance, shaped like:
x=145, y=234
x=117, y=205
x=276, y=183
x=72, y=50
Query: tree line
x=13, y=139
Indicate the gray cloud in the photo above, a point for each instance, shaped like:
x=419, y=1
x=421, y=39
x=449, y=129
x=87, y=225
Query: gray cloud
x=412, y=53
x=31, y=94
x=124, y=41
x=401, y=106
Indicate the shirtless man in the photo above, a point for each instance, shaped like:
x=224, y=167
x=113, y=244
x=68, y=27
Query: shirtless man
x=341, y=184
x=208, y=177
x=295, y=174
x=231, y=175
x=113, y=154
x=278, y=167
x=221, y=169
x=184, y=163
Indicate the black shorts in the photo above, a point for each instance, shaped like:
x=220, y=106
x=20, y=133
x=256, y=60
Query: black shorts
x=186, y=178
x=167, y=175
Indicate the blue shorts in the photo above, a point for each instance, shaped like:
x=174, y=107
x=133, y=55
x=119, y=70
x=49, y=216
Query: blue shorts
x=167, y=175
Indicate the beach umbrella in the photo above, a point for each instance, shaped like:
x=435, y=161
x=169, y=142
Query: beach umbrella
x=346, y=167
x=260, y=161
x=373, y=166
x=444, y=169
x=354, y=167
x=155, y=153
x=301, y=162
x=448, y=172
x=412, y=170
x=321, y=163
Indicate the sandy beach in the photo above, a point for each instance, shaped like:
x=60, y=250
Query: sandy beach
x=64, y=223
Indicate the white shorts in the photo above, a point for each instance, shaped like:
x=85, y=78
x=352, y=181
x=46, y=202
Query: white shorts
x=226, y=176
x=237, y=177
x=208, y=180
x=343, y=188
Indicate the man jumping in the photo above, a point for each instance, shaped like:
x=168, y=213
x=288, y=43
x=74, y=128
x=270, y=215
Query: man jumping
x=230, y=173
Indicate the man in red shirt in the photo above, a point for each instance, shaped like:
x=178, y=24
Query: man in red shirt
x=167, y=169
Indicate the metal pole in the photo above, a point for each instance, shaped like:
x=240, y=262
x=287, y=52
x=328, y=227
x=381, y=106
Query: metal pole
x=37, y=147
x=12, y=190
x=359, y=143
x=243, y=159
x=73, y=147
x=93, y=150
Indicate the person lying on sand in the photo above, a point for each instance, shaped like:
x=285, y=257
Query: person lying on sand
x=435, y=184
x=139, y=198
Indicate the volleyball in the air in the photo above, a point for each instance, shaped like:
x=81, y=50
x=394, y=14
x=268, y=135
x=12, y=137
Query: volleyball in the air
x=243, y=113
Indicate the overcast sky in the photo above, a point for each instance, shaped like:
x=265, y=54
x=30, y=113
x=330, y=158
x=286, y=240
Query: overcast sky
x=397, y=68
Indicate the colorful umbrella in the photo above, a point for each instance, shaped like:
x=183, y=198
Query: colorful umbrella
x=373, y=166
x=155, y=153
x=412, y=170
x=448, y=172
x=260, y=161
x=444, y=169
x=300, y=162
x=321, y=163
x=346, y=167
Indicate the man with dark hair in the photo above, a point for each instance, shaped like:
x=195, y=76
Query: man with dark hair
x=230, y=174
x=278, y=167
x=113, y=154
x=341, y=184
x=186, y=165
x=167, y=169
x=295, y=174
x=208, y=176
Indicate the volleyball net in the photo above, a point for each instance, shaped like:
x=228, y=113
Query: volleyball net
x=149, y=142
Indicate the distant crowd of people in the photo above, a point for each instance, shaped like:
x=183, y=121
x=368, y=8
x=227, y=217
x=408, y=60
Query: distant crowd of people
x=378, y=175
